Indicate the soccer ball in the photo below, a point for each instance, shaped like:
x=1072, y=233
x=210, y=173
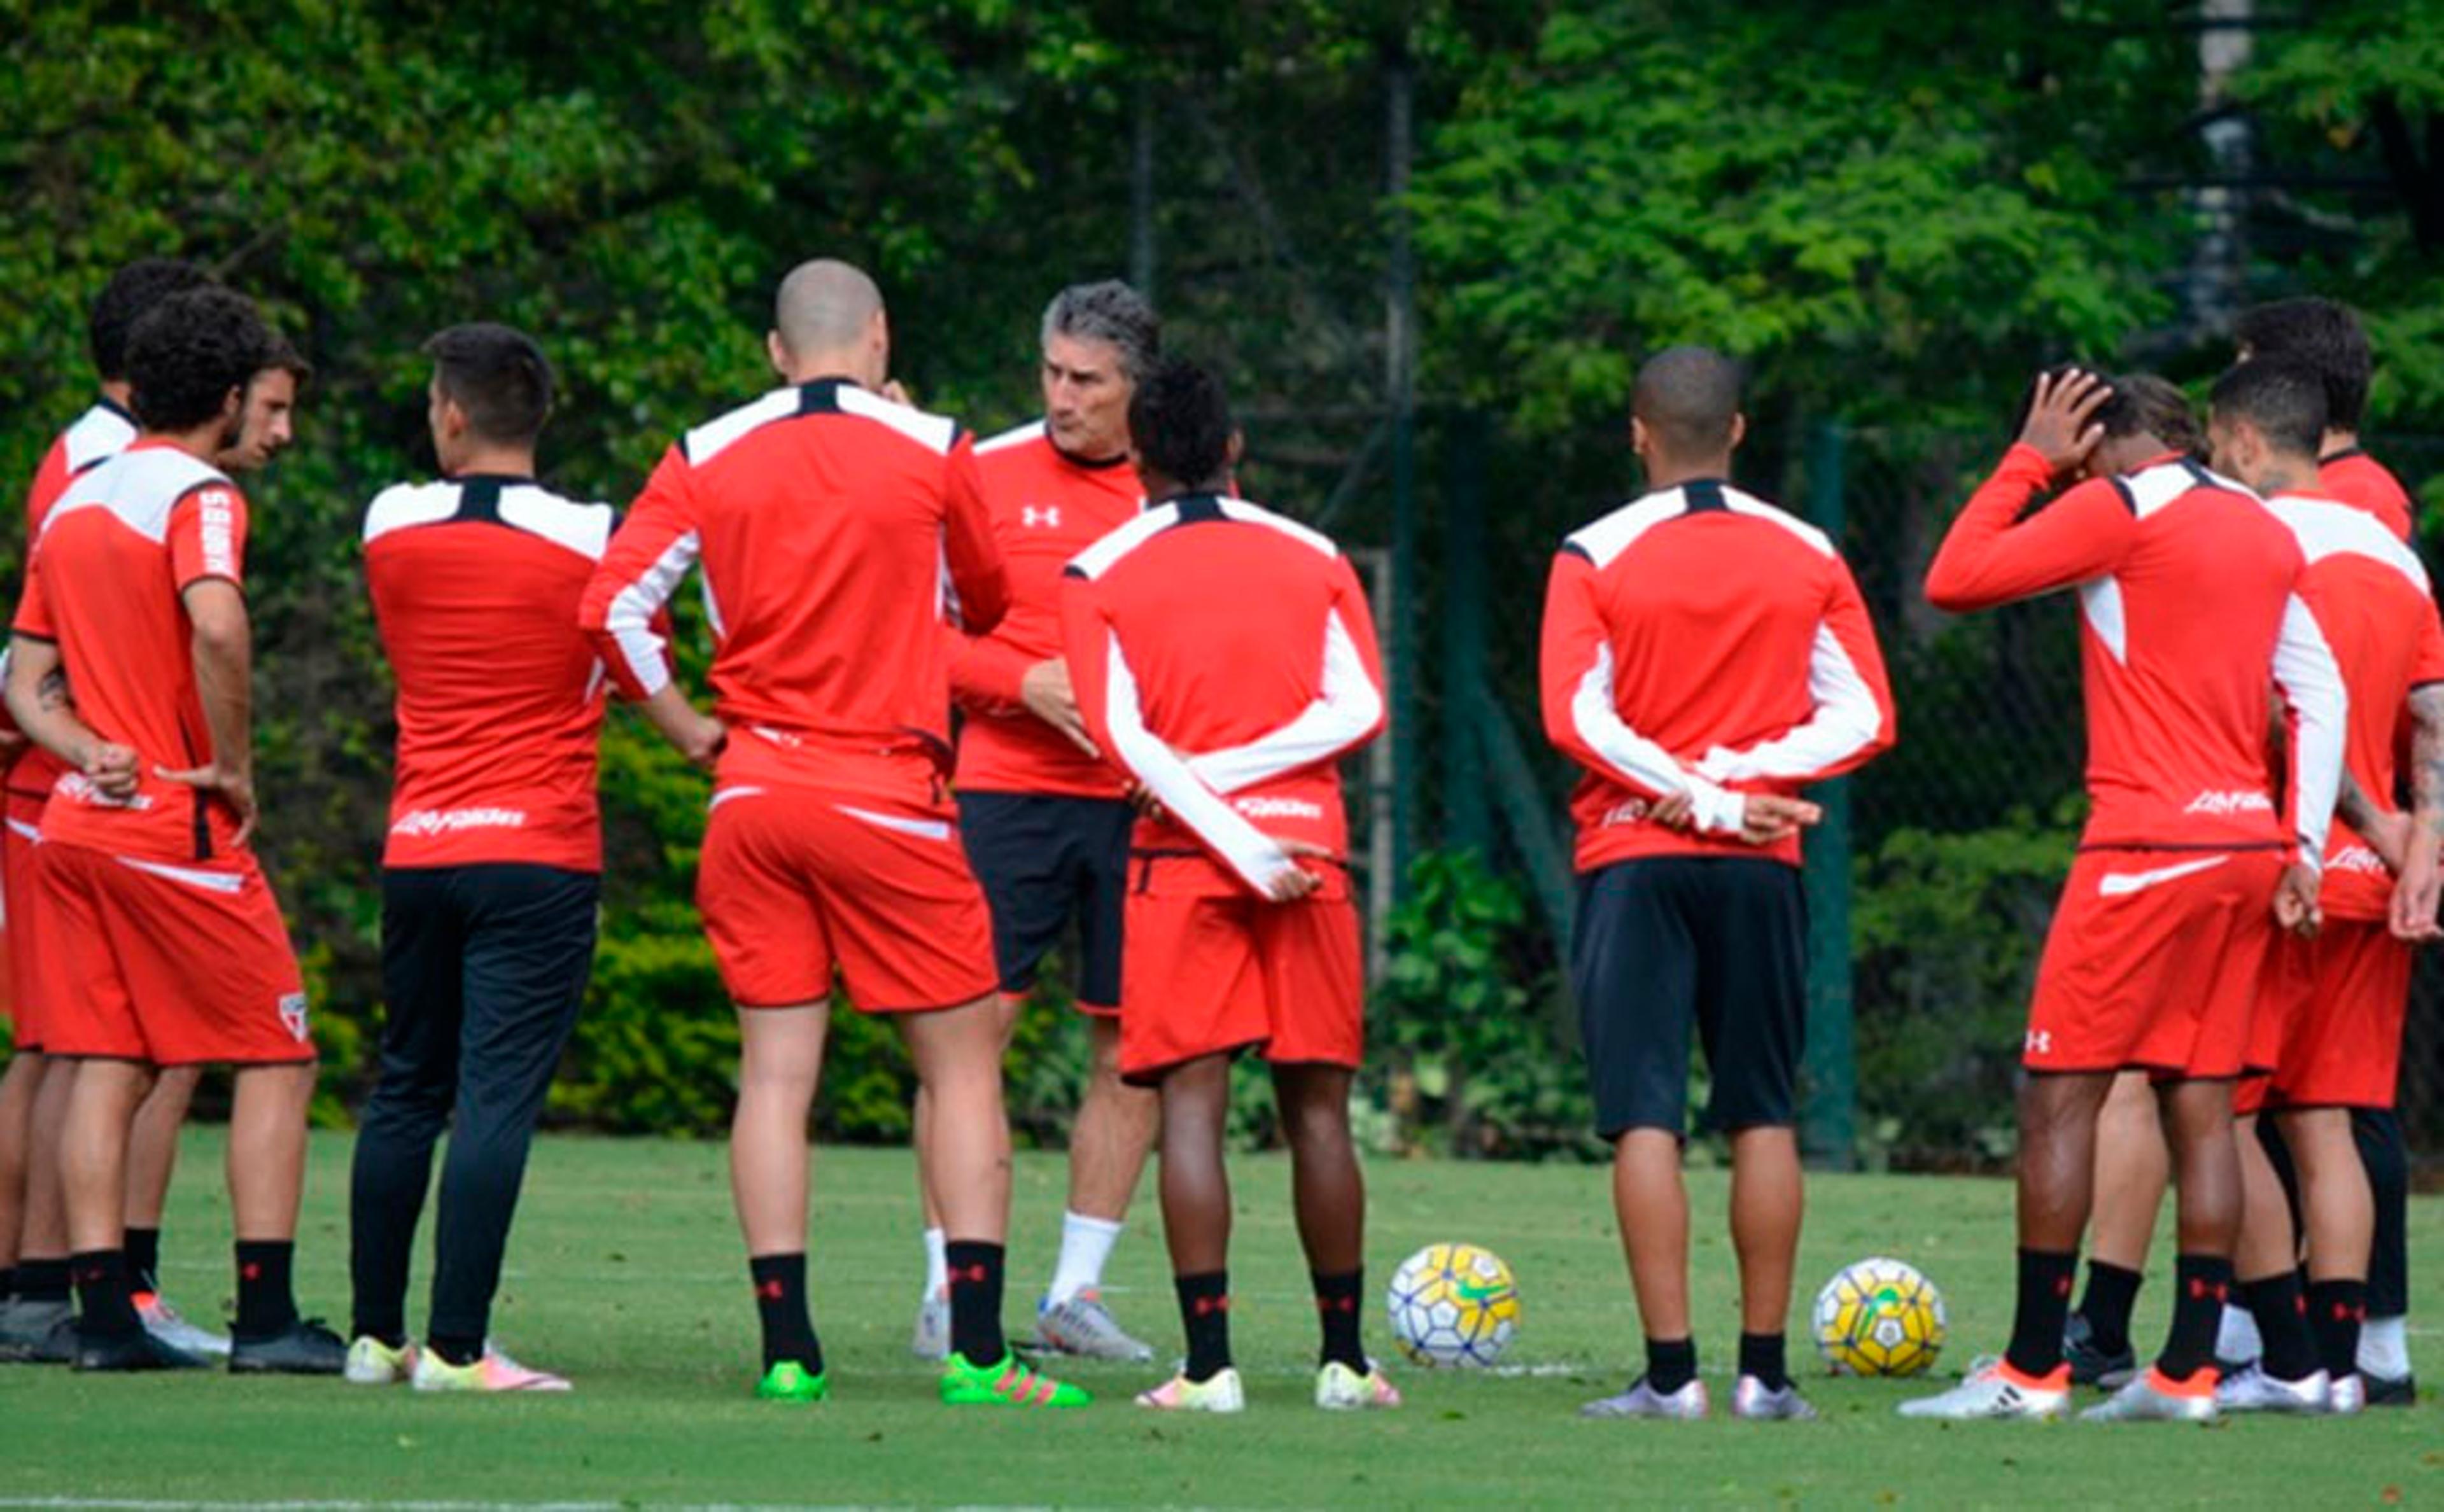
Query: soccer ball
x=1455, y=1305
x=1878, y=1318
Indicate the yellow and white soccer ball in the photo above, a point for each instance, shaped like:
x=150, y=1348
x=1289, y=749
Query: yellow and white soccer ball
x=1879, y=1317
x=1453, y=1305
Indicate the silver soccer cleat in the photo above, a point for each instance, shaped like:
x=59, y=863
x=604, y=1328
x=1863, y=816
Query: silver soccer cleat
x=1759, y=1403
x=2350, y=1396
x=2151, y=1398
x=1084, y=1328
x=2251, y=1389
x=163, y=1322
x=1993, y=1389
x=1686, y=1404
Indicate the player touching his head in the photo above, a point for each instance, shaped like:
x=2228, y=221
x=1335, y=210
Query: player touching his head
x=37, y=1318
x=1705, y=656
x=171, y=950
x=1225, y=658
x=823, y=516
x=1045, y=820
x=2330, y=1023
x=2190, y=616
x=492, y=870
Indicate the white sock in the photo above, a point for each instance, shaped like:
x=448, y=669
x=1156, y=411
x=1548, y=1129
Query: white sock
x=2236, y=1336
x=1086, y=1244
x=938, y=1264
x=2384, y=1347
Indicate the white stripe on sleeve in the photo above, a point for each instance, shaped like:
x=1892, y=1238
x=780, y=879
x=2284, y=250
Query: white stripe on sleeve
x=1348, y=707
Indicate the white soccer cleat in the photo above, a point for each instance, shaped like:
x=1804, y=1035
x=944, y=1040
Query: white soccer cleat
x=1686, y=1405
x=1084, y=1328
x=1339, y=1389
x=163, y=1322
x=1220, y=1392
x=2349, y=1397
x=1757, y=1402
x=371, y=1362
x=2251, y=1389
x=491, y=1371
x=2153, y=1398
x=1994, y=1390
x=930, y=1338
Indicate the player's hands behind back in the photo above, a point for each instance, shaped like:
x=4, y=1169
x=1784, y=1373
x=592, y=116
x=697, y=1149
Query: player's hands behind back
x=2295, y=900
x=232, y=786
x=1051, y=697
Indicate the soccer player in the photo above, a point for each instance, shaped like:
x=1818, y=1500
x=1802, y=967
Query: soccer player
x=1225, y=658
x=1705, y=655
x=2325, y=337
x=2190, y=614
x=37, y=1323
x=825, y=516
x=166, y=947
x=2331, y=1023
x=492, y=870
x=1046, y=821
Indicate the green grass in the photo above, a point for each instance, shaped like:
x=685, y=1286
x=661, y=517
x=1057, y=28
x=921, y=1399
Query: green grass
x=626, y=1272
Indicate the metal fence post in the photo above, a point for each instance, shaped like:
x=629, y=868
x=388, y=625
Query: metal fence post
x=1467, y=807
x=1828, y=1130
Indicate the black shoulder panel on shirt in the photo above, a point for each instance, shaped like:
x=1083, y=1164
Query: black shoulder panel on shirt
x=1198, y=508
x=2129, y=500
x=821, y=397
x=479, y=499
x=1071, y=571
x=1705, y=496
x=1571, y=548
x=2199, y=477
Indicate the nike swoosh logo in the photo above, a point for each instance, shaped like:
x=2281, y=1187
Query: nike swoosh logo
x=2121, y=884
x=1474, y=1292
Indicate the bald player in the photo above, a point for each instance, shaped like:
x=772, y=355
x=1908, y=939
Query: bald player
x=825, y=516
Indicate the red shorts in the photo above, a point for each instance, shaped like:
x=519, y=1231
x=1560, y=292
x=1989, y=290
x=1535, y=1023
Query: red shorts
x=2154, y=962
x=2336, y=1005
x=1208, y=968
x=796, y=882
x=178, y=964
x=20, y=898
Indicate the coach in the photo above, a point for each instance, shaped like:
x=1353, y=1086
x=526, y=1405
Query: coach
x=1705, y=655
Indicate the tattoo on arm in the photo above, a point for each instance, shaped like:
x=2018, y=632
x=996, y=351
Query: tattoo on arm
x=2353, y=804
x=2427, y=755
x=53, y=691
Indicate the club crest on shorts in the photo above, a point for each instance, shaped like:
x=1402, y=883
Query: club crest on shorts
x=293, y=1013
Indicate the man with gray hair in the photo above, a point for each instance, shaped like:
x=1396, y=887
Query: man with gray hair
x=1046, y=819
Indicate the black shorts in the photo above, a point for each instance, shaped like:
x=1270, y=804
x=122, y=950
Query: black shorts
x=1670, y=941
x=1044, y=859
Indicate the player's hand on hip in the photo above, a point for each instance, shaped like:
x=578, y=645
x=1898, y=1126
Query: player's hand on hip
x=1767, y=818
x=1049, y=696
x=231, y=787
x=2295, y=900
x=2062, y=418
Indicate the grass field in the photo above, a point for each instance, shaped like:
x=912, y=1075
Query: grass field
x=626, y=1274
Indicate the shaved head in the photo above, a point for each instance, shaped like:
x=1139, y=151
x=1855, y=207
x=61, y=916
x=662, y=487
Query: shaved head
x=1688, y=397
x=825, y=305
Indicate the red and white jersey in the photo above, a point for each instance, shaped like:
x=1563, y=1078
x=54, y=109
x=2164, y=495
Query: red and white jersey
x=829, y=523
x=1046, y=508
x=2353, y=477
x=1225, y=658
x=1699, y=641
x=118, y=551
x=2191, y=615
x=98, y=435
x=477, y=582
x=2371, y=599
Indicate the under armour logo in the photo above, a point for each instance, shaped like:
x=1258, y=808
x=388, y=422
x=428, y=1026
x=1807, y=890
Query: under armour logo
x=1031, y=516
x=2041, y=1041
x=770, y=1291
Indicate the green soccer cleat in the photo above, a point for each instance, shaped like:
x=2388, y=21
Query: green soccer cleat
x=790, y=1381
x=1006, y=1384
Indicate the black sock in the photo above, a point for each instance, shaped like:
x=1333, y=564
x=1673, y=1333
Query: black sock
x=2286, y=1351
x=267, y=1302
x=1336, y=1304
x=145, y=1259
x=106, y=1304
x=9, y=1284
x=458, y=1351
x=2042, y=1307
x=1205, y=1315
x=780, y=1304
x=1760, y=1356
x=1671, y=1363
x=43, y=1281
x=2112, y=1295
x=2202, y=1283
x=2336, y=1309
x=975, y=1300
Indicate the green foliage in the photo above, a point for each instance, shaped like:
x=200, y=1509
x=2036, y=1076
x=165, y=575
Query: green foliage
x=1947, y=929
x=1464, y=1055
